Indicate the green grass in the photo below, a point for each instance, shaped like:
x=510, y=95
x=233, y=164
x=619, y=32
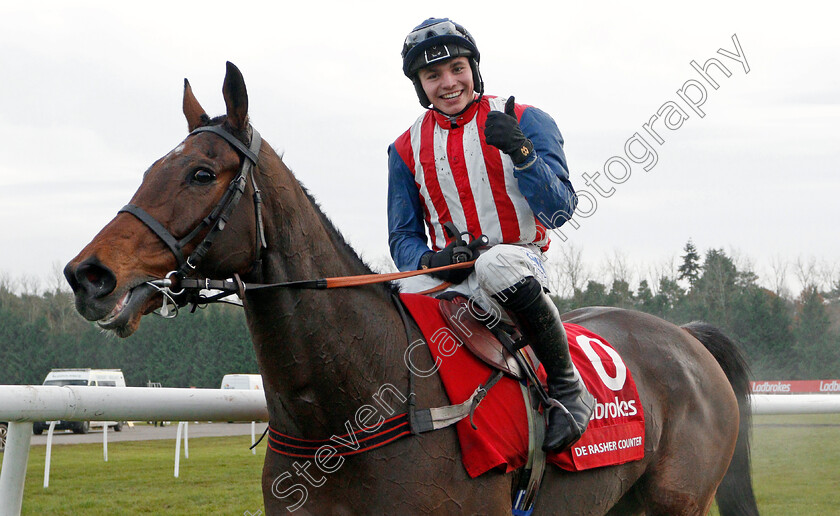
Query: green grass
x=796, y=466
x=796, y=471
x=221, y=477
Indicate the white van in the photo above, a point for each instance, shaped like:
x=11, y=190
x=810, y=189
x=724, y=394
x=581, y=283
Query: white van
x=242, y=381
x=85, y=377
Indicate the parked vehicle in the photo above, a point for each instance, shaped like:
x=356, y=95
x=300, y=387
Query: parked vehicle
x=242, y=381
x=82, y=377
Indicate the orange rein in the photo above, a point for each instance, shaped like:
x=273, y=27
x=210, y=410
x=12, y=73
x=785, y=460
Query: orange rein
x=367, y=279
x=239, y=287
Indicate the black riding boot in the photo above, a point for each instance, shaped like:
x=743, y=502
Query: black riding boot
x=540, y=322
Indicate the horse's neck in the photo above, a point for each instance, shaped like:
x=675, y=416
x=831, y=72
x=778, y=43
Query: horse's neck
x=322, y=353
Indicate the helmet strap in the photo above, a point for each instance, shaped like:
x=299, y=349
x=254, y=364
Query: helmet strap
x=421, y=93
x=478, y=82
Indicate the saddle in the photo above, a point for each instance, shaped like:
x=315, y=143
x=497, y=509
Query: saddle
x=489, y=339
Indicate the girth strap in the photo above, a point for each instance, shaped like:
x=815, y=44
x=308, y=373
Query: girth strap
x=436, y=418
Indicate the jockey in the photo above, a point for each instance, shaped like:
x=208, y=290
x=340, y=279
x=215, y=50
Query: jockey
x=490, y=167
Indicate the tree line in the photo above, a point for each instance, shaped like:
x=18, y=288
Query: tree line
x=41, y=332
x=785, y=337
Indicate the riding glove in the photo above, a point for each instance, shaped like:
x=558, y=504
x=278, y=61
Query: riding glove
x=503, y=132
x=455, y=252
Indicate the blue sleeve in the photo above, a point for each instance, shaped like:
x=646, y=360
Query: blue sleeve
x=544, y=180
x=406, y=232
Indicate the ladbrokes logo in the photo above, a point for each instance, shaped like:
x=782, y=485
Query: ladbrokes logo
x=832, y=386
x=771, y=387
x=614, y=409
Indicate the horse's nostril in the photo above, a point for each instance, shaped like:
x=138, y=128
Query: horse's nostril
x=70, y=276
x=96, y=279
x=93, y=276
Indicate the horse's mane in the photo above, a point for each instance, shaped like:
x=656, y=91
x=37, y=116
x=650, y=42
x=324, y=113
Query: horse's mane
x=339, y=238
x=342, y=242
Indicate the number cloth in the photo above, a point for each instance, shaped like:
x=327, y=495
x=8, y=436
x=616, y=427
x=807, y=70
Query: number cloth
x=615, y=434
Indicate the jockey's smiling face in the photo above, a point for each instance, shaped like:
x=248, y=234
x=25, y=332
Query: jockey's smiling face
x=449, y=85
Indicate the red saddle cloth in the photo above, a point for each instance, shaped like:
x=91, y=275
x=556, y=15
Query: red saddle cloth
x=615, y=434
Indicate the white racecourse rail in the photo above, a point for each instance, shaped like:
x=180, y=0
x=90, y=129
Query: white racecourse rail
x=23, y=404
x=20, y=405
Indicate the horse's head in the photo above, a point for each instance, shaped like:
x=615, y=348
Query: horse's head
x=185, y=201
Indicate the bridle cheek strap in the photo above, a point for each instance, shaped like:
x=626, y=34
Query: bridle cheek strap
x=220, y=215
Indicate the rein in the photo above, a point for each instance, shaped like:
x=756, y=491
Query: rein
x=235, y=286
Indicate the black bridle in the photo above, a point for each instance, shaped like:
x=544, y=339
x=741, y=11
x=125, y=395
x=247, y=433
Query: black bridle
x=216, y=221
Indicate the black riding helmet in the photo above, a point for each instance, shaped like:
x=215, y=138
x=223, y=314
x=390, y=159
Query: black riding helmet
x=437, y=39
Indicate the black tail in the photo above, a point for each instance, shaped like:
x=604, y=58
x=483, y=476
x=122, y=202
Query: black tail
x=735, y=494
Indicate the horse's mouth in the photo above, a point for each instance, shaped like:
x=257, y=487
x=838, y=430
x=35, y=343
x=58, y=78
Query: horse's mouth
x=124, y=318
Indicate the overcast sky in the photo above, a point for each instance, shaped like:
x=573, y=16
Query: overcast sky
x=91, y=95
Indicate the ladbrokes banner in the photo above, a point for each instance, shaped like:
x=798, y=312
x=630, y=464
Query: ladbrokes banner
x=796, y=387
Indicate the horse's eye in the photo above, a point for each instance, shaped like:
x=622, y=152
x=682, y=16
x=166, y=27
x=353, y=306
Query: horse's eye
x=202, y=177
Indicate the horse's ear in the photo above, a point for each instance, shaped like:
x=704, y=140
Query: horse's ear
x=192, y=109
x=236, y=98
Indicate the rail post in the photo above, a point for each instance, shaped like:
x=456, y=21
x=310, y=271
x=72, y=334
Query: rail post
x=13, y=474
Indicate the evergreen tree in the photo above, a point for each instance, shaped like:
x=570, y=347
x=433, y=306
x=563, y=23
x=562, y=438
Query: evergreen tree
x=643, y=294
x=668, y=298
x=713, y=292
x=594, y=295
x=690, y=268
x=763, y=325
x=816, y=350
x=620, y=294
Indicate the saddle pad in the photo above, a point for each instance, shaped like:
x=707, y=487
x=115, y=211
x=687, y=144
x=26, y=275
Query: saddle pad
x=615, y=434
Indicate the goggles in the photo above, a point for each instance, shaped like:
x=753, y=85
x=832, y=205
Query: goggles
x=441, y=28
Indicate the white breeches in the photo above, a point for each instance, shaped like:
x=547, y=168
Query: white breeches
x=497, y=269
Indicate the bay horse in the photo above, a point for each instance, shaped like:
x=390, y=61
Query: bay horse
x=323, y=355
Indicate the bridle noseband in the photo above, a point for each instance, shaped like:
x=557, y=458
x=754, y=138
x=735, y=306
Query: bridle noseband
x=218, y=218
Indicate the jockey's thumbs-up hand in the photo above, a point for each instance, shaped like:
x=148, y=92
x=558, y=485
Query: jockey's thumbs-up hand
x=510, y=106
x=503, y=132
